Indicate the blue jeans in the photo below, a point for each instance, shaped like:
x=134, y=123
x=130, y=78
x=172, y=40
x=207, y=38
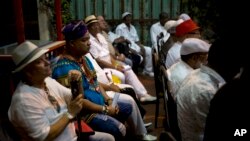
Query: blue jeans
x=112, y=125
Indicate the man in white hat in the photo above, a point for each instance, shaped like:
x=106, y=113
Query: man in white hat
x=129, y=32
x=182, y=30
x=99, y=50
x=198, y=88
x=193, y=53
x=41, y=108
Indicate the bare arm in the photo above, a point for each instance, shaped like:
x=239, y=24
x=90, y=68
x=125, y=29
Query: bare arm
x=111, y=87
x=74, y=108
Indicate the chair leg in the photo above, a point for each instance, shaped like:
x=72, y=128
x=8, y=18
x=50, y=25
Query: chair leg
x=156, y=112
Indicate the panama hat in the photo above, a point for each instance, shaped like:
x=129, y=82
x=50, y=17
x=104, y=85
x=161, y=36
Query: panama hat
x=90, y=19
x=26, y=53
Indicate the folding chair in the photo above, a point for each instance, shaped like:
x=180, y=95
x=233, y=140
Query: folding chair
x=172, y=120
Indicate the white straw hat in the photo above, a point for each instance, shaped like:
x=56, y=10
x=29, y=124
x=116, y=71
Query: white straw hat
x=26, y=53
x=90, y=19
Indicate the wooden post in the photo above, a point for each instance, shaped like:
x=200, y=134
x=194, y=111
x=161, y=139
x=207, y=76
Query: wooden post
x=58, y=19
x=19, y=21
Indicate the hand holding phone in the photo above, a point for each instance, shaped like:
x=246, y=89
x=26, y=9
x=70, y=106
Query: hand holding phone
x=75, y=79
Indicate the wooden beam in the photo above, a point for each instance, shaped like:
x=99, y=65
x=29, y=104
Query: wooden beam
x=58, y=19
x=19, y=21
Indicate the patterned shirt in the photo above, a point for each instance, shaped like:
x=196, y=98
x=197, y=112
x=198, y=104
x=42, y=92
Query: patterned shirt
x=89, y=83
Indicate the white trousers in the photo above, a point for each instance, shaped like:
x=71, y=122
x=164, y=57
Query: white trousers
x=148, y=64
x=135, y=121
x=128, y=77
x=101, y=136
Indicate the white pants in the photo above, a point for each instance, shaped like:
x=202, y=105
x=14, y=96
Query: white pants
x=101, y=136
x=135, y=122
x=148, y=65
x=128, y=77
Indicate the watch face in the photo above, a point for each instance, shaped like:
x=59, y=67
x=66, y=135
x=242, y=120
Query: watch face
x=69, y=115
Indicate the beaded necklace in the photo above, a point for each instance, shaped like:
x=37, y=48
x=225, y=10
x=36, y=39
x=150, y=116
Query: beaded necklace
x=52, y=99
x=84, y=66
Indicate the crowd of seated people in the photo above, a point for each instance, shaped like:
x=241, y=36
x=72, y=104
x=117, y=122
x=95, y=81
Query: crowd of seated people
x=43, y=107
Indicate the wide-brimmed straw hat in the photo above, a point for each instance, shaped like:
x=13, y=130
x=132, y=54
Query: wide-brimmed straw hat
x=90, y=19
x=25, y=53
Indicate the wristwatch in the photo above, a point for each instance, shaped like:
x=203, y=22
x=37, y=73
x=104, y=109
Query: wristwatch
x=70, y=117
x=105, y=109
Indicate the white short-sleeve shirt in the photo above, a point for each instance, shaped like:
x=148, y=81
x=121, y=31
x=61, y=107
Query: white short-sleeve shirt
x=32, y=113
x=99, y=48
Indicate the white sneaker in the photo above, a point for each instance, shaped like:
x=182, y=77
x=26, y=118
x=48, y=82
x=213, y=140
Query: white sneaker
x=148, y=137
x=148, y=98
x=147, y=124
x=151, y=74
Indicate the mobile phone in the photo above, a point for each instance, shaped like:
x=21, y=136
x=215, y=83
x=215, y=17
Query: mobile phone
x=74, y=85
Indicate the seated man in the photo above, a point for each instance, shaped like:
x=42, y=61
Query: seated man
x=183, y=30
x=193, y=54
x=105, y=79
x=78, y=45
x=127, y=30
x=99, y=50
x=41, y=108
x=120, y=45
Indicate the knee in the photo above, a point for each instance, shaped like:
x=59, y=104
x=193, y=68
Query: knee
x=109, y=137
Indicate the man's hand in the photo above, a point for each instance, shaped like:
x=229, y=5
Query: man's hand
x=114, y=87
x=75, y=106
x=74, y=75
